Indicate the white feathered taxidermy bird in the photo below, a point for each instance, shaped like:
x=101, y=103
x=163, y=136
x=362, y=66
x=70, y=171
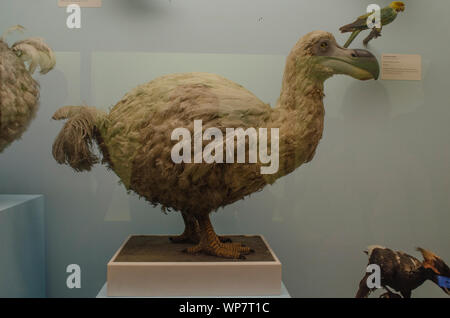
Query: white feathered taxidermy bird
x=135, y=136
x=19, y=92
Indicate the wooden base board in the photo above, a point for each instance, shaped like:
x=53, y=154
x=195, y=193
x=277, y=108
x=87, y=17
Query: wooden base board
x=150, y=265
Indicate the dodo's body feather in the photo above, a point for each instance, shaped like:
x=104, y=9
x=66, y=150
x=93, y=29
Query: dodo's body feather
x=19, y=92
x=135, y=136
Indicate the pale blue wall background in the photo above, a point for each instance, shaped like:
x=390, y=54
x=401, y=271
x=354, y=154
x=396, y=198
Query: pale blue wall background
x=381, y=174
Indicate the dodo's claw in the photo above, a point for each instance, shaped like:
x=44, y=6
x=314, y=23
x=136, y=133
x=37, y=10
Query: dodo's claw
x=224, y=239
x=225, y=250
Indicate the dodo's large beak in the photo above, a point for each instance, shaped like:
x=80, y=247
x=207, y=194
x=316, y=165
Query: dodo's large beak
x=360, y=64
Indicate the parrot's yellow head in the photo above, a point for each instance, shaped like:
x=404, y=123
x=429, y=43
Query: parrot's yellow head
x=398, y=6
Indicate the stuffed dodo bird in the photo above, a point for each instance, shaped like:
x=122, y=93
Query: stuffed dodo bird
x=404, y=273
x=19, y=92
x=135, y=141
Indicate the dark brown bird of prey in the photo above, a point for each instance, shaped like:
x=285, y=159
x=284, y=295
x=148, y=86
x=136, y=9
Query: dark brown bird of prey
x=404, y=273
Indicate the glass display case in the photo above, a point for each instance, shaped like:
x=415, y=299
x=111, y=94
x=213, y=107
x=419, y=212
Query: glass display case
x=380, y=174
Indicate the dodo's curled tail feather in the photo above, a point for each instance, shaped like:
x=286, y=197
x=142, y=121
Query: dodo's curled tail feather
x=74, y=144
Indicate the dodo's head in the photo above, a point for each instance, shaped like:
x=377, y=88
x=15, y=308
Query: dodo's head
x=318, y=57
x=438, y=272
x=398, y=6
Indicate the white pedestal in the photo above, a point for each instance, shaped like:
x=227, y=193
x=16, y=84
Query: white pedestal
x=284, y=294
x=22, y=246
x=149, y=265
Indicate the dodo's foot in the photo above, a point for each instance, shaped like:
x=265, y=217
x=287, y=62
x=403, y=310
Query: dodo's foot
x=194, y=238
x=225, y=250
x=212, y=244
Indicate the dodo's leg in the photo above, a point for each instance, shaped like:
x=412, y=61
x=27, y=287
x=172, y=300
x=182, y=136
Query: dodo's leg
x=191, y=232
x=212, y=245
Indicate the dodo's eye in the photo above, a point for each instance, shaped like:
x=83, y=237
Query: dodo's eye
x=324, y=45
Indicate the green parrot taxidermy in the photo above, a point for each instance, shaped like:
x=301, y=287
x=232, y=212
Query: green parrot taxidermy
x=19, y=92
x=135, y=140
x=388, y=15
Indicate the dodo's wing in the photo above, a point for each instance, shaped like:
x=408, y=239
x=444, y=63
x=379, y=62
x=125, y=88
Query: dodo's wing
x=143, y=122
x=222, y=104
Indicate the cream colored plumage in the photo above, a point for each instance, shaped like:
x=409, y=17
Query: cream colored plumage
x=19, y=92
x=135, y=136
x=35, y=52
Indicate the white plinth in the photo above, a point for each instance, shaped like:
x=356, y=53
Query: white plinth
x=151, y=266
x=22, y=246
